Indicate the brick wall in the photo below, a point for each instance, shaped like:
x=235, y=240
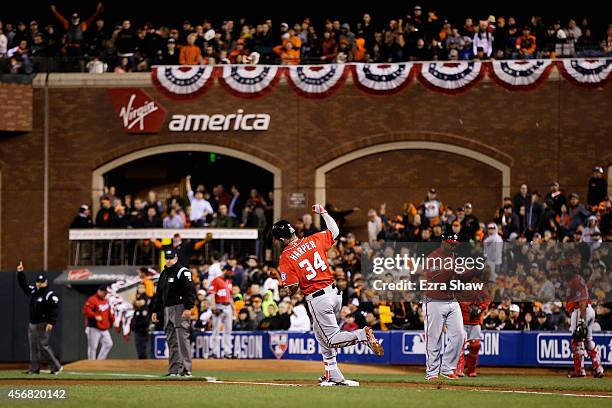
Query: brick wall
x=558, y=131
x=16, y=111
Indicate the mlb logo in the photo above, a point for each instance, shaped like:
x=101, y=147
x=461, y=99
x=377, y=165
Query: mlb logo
x=413, y=343
x=279, y=342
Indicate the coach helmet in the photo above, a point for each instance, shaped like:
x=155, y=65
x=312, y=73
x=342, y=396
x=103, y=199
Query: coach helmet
x=282, y=230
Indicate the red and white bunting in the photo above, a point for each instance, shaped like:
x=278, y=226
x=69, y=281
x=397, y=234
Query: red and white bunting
x=316, y=81
x=249, y=81
x=451, y=77
x=182, y=82
x=382, y=79
x=520, y=75
x=586, y=72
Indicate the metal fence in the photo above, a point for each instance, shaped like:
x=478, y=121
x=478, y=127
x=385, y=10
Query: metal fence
x=106, y=247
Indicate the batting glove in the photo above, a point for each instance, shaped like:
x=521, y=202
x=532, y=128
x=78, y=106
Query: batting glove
x=319, y=209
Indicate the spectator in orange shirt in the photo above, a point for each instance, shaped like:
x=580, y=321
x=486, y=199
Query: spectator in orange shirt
x=190, y=53
x=288, y=54
x=359, y=51
x=238, y=53
x=526, y=44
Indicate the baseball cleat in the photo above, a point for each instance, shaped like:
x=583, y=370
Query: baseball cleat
x=450, y=376
x=472, y=375
x=171, y=375
x=186, y=374
x=598, y=374
x=345, y=383
x=56, y=372
x=374, y=345
x=29, y=372
x=431, y=379
x=322, y=378
x=576, y=375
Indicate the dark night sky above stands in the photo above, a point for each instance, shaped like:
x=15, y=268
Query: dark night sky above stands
x=159, y=12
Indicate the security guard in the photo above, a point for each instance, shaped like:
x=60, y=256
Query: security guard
x=43, y=316
x=175, y=296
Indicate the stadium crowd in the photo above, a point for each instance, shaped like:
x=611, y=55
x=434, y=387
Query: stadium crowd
x=71, y=42
x=527, y=292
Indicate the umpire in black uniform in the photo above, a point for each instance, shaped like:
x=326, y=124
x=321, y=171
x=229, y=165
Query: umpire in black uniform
x=175, y=297
x=43, y=316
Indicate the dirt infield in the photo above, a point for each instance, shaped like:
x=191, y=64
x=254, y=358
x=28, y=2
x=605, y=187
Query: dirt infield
x=277, y=366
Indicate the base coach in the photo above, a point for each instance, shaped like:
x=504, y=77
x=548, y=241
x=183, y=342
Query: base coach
x=175, y=297
x=43, y=316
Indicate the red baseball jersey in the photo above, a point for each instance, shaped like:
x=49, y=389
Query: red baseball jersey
x=304, y=263
x=98, y=307
x=222, y=289
x=438, y=273
x=577, y=292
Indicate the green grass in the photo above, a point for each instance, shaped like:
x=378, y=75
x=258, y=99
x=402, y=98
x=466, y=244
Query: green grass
x=192, y=394
x=559, y=382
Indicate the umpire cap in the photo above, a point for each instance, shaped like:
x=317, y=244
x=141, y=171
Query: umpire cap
x=282, y=230
x=41, y=277
x=170, y=253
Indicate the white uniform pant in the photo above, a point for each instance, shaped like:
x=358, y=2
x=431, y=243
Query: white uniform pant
x=324, y=310
x=96, y=337
x=224, y=318
x=444, y=336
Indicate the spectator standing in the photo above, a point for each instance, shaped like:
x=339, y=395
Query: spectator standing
x=106, y=214
x=173, y=220
x=526, y=45
x=43, y=317
x=578, y=214
x=190, y=53
x=598, y=187
x=483, y=40
x=557, y=197
x=83, y=218
x=200, y=207
x=125, y=43
x=99, y=317
x=493, y=246
x=75, y=30
x=375, y=225
x=433, y=207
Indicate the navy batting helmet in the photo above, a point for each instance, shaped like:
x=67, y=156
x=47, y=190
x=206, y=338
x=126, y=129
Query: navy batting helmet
x=282, y=229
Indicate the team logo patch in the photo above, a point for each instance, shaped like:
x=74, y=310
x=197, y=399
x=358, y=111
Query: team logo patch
x=279, y=342
x=283, y=276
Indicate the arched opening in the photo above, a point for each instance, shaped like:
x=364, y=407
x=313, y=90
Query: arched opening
x=478, y=162
x=179, y=158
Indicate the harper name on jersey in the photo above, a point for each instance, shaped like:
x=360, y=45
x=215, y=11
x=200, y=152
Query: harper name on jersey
x=302, y=249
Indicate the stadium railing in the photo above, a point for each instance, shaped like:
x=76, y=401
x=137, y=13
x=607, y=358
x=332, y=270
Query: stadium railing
x=135, y=247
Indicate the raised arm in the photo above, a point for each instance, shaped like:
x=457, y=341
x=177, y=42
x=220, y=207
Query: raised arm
x=21, y=279
x=329, y=221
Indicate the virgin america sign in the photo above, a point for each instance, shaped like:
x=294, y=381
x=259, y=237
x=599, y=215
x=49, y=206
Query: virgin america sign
x=137, y=110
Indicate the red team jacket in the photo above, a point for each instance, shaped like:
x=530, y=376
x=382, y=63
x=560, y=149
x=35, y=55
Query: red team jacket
x=222, y=289
x=577, y=292
x=304, y=263
x=98, y=307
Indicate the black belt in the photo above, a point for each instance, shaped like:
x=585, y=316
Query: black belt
x=321, y=292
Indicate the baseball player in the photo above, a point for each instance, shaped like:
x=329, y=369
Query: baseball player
x=582, y=320
x=43, y=316
x=472, y=313
x=442, y=315
x=303, y=265
x=100, y=319
x=222, y=306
